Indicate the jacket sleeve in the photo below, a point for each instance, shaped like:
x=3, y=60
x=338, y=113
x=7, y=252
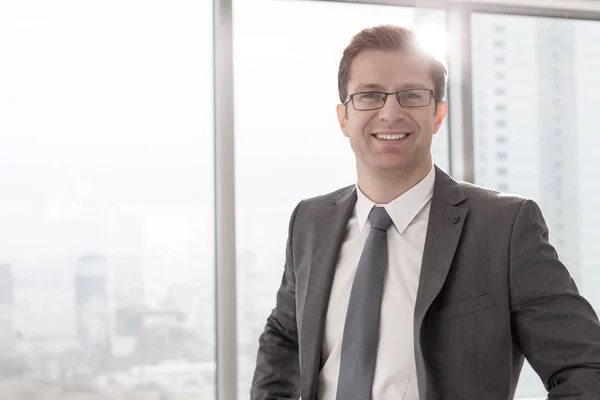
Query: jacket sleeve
x=555, y=327
x=277, y=373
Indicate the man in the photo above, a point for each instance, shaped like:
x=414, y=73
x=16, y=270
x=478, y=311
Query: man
x=410, y=285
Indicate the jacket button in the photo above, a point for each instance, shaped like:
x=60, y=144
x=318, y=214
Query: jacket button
x=455, y=219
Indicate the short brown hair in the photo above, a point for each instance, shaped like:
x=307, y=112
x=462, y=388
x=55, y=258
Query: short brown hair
x=388, y=38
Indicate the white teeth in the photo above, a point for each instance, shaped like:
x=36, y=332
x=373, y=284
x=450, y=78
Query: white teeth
x=391, y=137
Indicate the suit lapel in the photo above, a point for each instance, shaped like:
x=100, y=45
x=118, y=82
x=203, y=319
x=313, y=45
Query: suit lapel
x=329, y=236
x=444, y=229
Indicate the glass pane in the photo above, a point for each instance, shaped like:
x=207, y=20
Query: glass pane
x=285, y=149
x=532, y=116
x=106, y=240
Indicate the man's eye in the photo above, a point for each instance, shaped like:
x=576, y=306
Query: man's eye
x=370, y=96
x=412, y=95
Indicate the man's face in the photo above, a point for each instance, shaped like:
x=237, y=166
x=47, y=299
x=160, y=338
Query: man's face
x=391, y=71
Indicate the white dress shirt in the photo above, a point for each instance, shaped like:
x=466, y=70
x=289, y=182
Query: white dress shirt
x=395, y=372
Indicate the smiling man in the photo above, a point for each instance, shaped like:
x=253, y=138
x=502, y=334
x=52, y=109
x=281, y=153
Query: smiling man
x=411, y=285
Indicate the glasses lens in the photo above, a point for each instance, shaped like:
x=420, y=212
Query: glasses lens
x=414, y=98
x=368, y=100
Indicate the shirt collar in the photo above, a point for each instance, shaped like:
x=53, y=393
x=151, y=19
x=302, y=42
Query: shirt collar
x=403, y=209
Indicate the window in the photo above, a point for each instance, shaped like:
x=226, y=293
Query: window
x=553, y=165
x=500, y=123
x=291, y=151
x=500, y=91
x=500, y=107
x=106, y=241
x=556, y=72
x=558, y=195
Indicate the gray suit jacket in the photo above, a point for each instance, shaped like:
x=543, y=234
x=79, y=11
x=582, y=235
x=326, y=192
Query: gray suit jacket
x=491, y=292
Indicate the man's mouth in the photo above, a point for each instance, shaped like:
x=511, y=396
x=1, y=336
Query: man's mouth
x=391, y=136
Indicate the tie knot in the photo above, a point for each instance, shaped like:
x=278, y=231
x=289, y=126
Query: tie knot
x=379, y=219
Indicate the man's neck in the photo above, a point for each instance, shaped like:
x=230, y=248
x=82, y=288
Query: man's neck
x=382, y=187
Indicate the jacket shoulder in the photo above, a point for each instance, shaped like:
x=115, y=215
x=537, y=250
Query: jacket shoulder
x=328, y=198
x=489, y=200
x=313, y=206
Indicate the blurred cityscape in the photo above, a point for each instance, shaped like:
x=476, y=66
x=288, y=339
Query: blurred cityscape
x=139, y=327
x=102, y=340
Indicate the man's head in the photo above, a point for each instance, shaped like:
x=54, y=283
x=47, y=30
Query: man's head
x=388, y=59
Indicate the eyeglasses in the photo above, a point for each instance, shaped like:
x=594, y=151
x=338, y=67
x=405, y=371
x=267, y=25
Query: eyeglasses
x=367, y=101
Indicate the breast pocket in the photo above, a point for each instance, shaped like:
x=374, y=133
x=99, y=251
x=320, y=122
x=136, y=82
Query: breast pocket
x=470, y=306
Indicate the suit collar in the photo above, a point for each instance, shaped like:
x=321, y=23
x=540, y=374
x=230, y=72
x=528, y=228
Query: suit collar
x=328, y=239
x=403, y=209
x=446, y=221
x=446, y=189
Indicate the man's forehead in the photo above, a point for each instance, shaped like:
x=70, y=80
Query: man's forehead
x=379, y=70
x=381, y=58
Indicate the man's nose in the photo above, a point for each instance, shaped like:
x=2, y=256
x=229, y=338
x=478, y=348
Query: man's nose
x=391, y=110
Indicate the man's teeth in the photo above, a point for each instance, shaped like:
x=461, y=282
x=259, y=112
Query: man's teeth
x=391, y=137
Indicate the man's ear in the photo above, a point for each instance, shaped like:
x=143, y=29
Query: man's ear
x=342, y=120
x=440, y=115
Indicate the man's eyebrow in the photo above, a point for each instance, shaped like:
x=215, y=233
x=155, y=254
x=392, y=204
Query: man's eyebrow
x=370, y=86
x=413, y=86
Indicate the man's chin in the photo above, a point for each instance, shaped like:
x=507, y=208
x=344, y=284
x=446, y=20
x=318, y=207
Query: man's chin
x=394, y=165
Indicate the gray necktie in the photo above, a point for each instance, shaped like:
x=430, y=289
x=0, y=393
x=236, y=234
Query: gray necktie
x=361, y=331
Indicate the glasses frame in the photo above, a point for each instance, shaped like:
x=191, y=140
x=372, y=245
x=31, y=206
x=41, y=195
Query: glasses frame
x=396, y=94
